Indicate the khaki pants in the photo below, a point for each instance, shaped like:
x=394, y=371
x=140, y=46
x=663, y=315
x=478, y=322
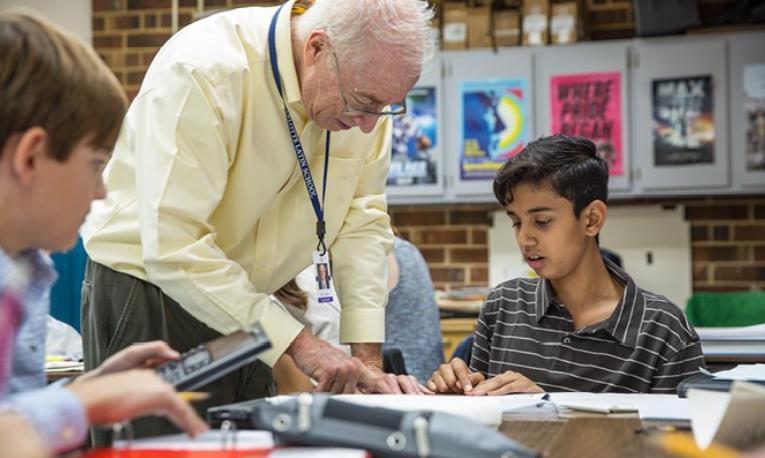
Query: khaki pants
x=119, y=310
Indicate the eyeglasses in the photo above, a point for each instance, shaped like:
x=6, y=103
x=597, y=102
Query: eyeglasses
x=394, y=109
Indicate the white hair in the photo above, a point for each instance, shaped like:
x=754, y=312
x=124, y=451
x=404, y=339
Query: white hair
x=358, y=29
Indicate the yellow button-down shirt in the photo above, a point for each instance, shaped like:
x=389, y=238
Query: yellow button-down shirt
x=206, y=199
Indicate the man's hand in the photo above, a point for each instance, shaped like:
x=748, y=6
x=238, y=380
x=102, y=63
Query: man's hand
x=380, y=382
x=454, y=377
x=137, y=356
x=134, y=393
x=336, y=372
x=506, y=383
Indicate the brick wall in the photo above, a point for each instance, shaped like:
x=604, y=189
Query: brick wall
x=728, y=241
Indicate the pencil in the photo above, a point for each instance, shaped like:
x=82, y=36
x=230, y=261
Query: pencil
x=192, y=396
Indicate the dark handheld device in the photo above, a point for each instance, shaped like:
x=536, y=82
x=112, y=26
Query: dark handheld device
x=216, y=358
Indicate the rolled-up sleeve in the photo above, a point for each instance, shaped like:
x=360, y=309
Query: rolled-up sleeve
x=360, y=250
x=178, y=189
x=56, y=413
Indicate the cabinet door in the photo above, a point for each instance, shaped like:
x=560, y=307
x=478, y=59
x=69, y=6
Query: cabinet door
x=747, y=105
x=583, y=91
x=680, y=122
x=417, y=144
x=488, y=114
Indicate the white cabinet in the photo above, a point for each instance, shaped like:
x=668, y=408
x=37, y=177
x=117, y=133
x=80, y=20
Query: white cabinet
x=680, y=118
x=747, y=104
x=489, y=114
x=417, y=145
x=584, y=90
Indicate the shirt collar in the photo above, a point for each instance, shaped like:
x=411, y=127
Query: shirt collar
x=287, y=70
x=623, y=324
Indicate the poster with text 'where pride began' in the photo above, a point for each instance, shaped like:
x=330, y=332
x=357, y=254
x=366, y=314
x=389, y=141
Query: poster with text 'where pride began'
x=590, y=106
x=495, y=125
x=683, y=121
x=414, y=142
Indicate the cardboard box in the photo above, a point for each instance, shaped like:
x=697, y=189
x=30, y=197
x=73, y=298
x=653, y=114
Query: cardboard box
x=565, y=23
x=507, y=28
x=479, y=27
x=454, y=30
x=535, y=29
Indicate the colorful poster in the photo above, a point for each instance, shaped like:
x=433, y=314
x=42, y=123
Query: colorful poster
x=415, y=144
x=683, y=121
x=754, y=104
x=494, y=125
x=590, y=105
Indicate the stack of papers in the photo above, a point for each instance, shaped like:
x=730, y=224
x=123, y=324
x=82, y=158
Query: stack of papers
x=647, y=406
x=64, y=366
x=744, y=340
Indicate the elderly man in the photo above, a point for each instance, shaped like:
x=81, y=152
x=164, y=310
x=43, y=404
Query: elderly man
x=225, y=183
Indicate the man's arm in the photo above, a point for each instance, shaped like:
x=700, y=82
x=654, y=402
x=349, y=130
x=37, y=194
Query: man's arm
x=359, y=254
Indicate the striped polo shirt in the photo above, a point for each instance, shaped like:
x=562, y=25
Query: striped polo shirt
x=646, y=345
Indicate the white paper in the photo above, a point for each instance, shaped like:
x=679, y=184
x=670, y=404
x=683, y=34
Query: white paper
x=211, y=440
x=747, y=372
x=483, y=409
x=756, y=332
x=736, y=419
x=707, y=409
x=648, y=406
x=754, y=80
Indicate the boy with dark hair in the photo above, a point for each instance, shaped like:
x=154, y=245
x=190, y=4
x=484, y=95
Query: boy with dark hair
x=60, y=113
x=583, y=325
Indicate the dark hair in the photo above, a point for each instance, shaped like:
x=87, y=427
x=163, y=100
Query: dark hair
x=568, y=165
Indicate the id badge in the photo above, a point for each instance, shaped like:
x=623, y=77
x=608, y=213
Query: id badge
x=324, y=290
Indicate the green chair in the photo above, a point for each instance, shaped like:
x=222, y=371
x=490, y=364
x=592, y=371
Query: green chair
x=726, y=309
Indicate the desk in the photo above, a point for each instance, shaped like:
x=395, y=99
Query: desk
x=453, y=331
x=585, y=436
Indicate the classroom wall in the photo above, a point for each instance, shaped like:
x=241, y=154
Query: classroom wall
x=727, y=241
x=72, y=15
x=127, y=33
x=728, y=234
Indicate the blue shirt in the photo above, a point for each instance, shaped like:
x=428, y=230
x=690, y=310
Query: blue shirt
x=57, y=413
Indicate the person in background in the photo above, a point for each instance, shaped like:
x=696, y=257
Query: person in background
x=55, y=138
x=411, y=317
x=583, y=325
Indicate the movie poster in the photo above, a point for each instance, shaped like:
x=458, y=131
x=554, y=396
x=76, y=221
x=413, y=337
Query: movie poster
x=754, y=105
x=590, y=105
x=494, y=125
x=415, y=144
x=683, y=121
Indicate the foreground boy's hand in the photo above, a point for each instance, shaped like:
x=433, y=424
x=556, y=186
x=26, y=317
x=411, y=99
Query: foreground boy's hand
x=134, y=393
x=137, y=356
x=506, y=383
x=454, y=377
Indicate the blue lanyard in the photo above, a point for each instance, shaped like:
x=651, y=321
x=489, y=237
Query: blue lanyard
x=307, y=177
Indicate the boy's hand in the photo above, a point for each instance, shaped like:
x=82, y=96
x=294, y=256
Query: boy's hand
x=454, y=377
x=137, y=356
x=125, y=395
x=506, y=383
